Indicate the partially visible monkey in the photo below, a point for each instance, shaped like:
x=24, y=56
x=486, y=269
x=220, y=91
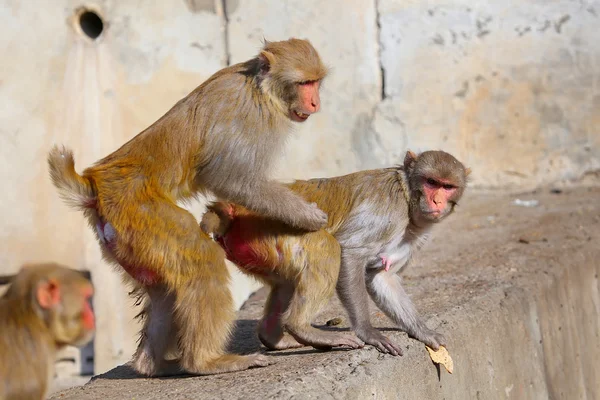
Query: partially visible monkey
x=380, y=219
x=46, y=307
x=221, y=138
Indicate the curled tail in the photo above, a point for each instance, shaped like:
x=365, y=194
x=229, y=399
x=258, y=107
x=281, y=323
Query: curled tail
x=74, y=189
x=217, y=219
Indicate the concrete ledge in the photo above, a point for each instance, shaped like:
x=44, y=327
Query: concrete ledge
x=515, y=290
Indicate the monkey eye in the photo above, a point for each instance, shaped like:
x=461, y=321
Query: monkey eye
x=432, y=182
x=305, y=82
x=449, y=187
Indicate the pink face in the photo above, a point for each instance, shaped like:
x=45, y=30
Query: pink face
x=437, y=193
x=87, y=315
x=308, y=101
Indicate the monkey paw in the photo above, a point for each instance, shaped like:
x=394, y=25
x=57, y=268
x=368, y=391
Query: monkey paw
x=380, y=342
x=259, y=360
x=350, y=341
x=286, y=342
x=314, y=218
x=431, y=338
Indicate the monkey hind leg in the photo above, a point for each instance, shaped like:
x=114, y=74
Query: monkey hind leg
x=155, y=335
x=193, y=269
x=315, y=285
x=204, y=315
x=270, y=327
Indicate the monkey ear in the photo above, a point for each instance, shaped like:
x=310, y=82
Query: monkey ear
x=48, y=294
x=409, y=159
x=266, y=60
x=467, y=171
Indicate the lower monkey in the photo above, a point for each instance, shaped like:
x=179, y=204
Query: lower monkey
x=377, y=220
x=46, y=308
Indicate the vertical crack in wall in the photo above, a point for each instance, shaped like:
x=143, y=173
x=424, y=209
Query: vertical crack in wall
x=379, y=46
x=226, y=31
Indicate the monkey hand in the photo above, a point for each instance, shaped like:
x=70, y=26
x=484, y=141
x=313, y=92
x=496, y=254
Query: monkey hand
x=380, y=342
x=430, y=337
x=312, y=218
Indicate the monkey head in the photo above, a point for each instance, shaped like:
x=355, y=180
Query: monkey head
x=292, y=73
x=437, y=181
x=61, y=298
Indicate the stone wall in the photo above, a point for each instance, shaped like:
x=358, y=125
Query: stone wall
x=512, y=88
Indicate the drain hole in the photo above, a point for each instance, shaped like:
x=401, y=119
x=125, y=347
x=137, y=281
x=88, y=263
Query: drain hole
x=91, y=24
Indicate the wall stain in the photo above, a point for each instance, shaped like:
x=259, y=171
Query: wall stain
x=563, y=20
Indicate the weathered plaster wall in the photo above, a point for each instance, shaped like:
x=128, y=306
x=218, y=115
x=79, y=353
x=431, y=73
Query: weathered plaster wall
x=510, y=87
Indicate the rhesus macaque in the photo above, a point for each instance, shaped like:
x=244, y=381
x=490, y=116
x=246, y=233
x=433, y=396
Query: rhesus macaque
x=378, y=217
x=46, y=308
x=221, y=138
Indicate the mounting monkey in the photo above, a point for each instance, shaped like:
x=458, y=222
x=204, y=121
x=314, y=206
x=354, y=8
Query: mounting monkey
x=221, y=138
x=46, y=307
x=377, y=220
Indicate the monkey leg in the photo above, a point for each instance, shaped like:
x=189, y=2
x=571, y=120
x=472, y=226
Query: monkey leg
x=193, y=269
x=385, y=288
x=204, y=314
x=319, y=263
x=270, y=327
x=352, y=291
x=156, y=333
x=304, y=306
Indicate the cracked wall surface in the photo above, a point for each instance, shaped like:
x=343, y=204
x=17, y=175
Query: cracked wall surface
x=510, y=87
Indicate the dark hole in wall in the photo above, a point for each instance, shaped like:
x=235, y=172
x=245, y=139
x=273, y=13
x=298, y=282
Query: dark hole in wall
x=91, y=24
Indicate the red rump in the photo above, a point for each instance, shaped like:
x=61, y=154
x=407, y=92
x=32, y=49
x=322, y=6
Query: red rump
x=143, y=275
x=237, y=244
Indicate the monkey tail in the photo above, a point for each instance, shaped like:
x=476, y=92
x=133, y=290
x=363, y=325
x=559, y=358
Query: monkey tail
x=74, y=189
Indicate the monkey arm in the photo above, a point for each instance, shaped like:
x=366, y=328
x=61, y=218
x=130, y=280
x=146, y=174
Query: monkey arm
x=352, y=291
x=385, y=288
x=274, y=200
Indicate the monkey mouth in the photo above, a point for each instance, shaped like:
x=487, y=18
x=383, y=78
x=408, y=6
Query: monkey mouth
x=298, y=116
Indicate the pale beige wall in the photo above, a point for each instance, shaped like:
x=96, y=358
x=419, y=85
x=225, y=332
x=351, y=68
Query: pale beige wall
x=511, y=87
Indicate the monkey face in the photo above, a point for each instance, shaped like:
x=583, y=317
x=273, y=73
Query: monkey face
x=438, y=180
x=438, y=198
x=293, y=72
x=71, y=319
x=308, y=101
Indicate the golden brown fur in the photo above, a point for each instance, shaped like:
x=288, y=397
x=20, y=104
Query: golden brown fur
x=377, y=219
x=45, y=309
x=221, y=138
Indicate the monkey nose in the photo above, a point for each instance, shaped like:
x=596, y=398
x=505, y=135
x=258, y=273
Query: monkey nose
x=315, y=103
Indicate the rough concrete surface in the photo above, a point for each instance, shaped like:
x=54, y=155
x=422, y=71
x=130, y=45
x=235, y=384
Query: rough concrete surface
x=514, y=289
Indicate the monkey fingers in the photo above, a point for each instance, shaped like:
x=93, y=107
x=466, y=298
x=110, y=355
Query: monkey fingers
x=326, y=340
x=429, y=337
x=381, y=342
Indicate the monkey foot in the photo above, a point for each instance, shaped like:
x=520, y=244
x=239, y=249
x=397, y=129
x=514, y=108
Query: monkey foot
x=326, y=342
x=286, y=342
x=259, y=360
x=381, y=342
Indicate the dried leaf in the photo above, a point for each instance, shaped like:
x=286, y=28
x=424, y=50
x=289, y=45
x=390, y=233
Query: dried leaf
x=441, y=357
